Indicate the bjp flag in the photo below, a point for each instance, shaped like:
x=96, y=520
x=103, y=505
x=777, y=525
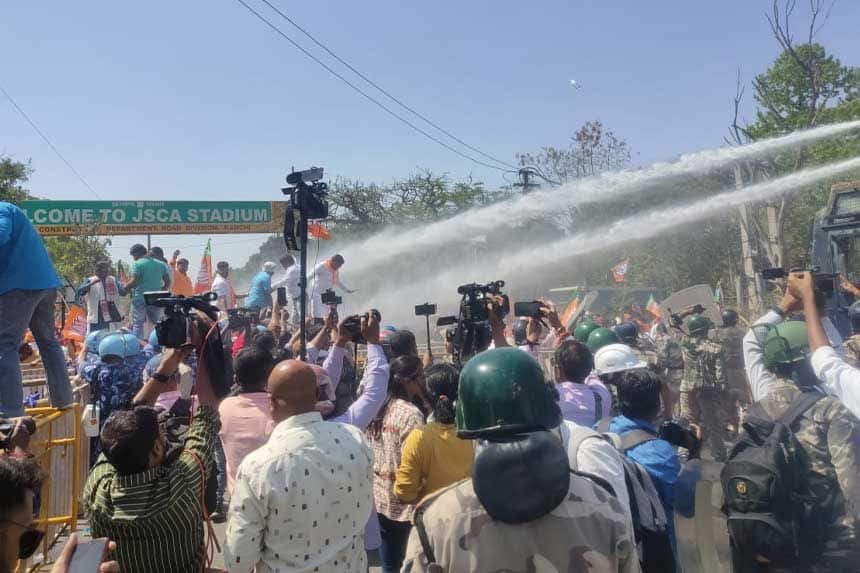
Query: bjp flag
x=204, y=275
x=75, y=327
x=317, y=231
x=653, y=307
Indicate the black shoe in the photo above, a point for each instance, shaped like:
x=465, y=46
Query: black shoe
x=218, y=517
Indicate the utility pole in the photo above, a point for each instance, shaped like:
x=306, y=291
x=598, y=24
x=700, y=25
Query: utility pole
x=525, y=181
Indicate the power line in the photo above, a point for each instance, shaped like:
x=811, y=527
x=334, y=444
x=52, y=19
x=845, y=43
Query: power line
x=363, y=93
x=48, y=141
x=381, y=89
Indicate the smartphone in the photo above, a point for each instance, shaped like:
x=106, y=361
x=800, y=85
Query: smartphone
x=527, y=309
x=282, y=296
x=88, y=556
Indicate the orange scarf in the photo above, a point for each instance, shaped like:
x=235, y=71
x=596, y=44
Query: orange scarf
x=333, y=270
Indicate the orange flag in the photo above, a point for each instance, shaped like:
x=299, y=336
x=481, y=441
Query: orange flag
x=317, y=231
x=653, y=307
x=569, y=311
x=204, y=275
x=76, y=324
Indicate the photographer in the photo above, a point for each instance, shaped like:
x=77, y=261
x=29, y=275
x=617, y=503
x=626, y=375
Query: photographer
x=145, y=498
x=837, y=376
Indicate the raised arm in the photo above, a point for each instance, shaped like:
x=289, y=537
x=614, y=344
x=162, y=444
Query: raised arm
x=375, y=380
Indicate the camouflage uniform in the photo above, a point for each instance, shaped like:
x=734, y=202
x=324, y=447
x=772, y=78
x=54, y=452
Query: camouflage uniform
x=852, y=351
x=829, y=435
x=588, y=532
x=672, y=361
x=704, y=394
x=731, y=339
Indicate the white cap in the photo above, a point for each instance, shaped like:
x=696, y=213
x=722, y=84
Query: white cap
x=616, y=358
x=269, y=267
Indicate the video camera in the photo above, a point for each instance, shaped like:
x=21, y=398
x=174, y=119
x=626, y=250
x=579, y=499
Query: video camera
x=174, y=330
x=472, y=333
x=825, y=283
x=242, y=318
x=330, y=298
x=353, y=325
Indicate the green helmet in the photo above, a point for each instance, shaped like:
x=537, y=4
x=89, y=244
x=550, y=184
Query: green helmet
x=503, y=392
x=699, y=325
x=600, y=337
x=786, y=344
x=583, y=329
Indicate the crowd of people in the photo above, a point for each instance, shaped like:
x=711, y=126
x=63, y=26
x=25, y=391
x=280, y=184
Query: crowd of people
x=497, y=461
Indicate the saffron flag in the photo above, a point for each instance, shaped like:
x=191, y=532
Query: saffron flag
x=75, y=327
x=204, y=275
x=619, y=271
x=569, y=311
x=653, y=307
x=123, y=275
x=317, y=231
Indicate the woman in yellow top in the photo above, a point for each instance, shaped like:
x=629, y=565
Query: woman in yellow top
x=433, y=456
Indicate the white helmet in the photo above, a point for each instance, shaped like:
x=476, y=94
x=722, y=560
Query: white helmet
x=615, y=358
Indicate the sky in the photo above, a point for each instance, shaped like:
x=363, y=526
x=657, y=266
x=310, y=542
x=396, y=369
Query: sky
x=199, y=100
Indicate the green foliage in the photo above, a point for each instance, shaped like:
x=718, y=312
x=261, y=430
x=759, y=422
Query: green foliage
x=73, y=257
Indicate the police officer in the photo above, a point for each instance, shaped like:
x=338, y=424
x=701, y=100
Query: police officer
x=730, y=336
x=523, y=506
x=704, y=393
x=672, y=361
x=829, y=435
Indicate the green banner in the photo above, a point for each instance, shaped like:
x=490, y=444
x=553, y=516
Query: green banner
x=154, y=217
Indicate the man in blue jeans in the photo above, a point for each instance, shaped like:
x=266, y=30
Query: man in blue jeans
x=28, y=289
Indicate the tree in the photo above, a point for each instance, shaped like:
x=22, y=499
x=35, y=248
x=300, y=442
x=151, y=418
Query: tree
x=803, y=88
x=591, y=150
x=73, y=257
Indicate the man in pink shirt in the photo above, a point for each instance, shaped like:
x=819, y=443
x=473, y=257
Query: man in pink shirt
x=583, y=398
x=245, y=419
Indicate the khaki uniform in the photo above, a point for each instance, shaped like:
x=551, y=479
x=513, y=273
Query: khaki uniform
x=829, y=435
x=705, y=399
x=588, y=532
x=672, y=361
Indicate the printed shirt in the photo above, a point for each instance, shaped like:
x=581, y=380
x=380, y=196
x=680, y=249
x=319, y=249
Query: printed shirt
x=114, y=385
x=399, y=420
x=155, y=516
x=24, y=261
x=300, y=502
x=433, y=457
x=259, y=295
x=579, y=402
x=245, y=426
x=587, y=532
x=149, y=273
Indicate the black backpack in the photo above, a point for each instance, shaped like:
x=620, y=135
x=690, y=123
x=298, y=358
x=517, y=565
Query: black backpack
x=764, y=490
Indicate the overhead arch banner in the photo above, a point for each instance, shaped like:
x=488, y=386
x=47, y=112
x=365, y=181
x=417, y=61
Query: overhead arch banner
x=57, y=218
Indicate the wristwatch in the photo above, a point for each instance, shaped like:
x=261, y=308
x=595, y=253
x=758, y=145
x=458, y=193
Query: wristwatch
x=159, y=377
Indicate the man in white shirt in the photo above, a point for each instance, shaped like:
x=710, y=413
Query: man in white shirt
x=325, y=277
x=221, y=286
x=301, y=502
x=290, y=281
x=101, y=293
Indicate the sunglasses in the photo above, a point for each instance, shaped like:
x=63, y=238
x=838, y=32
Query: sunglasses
x=29, y=541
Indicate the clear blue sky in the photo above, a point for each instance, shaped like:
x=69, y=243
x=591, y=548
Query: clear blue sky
x=198, y=99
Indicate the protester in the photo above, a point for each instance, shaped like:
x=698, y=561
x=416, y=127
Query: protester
x=433, y=456
x=583, y=398
x=301, y=501
x=639, y=395
x=290, y=282
x=245, y=419
x=386, y=434
x=182, y=285
x=101, y=293
x=149, y=500
x=260, y=293
x=28, y=290
x=401, y=343
x=148, y=274
x=223, y=288
x=325, y=277
x=523, y=507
